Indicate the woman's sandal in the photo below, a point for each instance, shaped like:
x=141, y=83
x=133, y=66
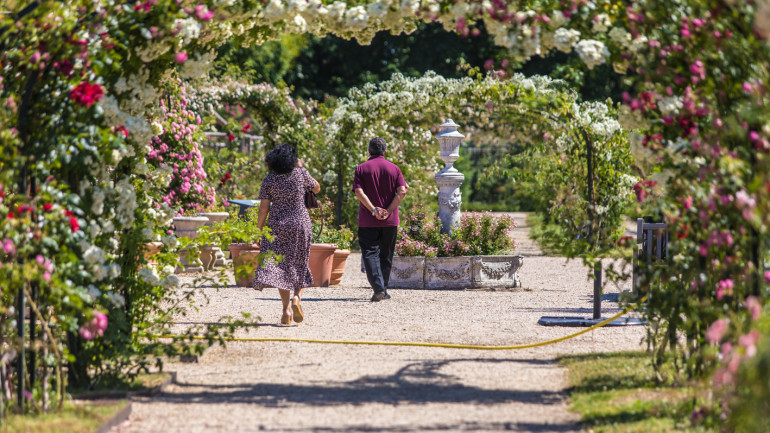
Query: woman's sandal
x=285, y=319
x=297, y=309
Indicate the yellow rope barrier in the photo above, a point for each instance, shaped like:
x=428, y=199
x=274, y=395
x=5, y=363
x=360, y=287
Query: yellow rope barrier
x=444, y=345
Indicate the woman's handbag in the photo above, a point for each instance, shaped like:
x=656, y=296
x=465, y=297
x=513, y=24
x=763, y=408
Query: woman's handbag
x=310, y=201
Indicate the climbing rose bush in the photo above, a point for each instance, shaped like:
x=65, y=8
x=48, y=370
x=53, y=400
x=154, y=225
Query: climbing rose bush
x=175, y=159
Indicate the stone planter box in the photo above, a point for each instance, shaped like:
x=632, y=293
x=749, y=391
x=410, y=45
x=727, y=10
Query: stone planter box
x=455, y=273
x=407, y=273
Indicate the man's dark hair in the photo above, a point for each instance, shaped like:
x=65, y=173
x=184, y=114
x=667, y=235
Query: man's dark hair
x=377, y=146
x=282, y=159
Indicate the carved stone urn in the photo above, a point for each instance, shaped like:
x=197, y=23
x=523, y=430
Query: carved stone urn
x=449, y=179
x=212, y=255
x=187, y=227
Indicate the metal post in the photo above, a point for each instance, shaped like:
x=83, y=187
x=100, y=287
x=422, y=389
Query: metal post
x=598, y=290
x=32, y=337
x=20, y=361
x=591, y=200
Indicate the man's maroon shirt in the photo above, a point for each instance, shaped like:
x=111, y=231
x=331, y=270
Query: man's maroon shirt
x=379, y=178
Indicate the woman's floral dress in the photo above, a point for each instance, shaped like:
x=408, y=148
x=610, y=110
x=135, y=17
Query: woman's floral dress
x=290, y=225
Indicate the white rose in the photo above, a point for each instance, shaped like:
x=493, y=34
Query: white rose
x=670, y=104
x=601, y=23
x=377, y=10
x=148, y=275
x=170, y=242
x=592, y=52
x=620, y=36
x=171, y=282
x=565, y=39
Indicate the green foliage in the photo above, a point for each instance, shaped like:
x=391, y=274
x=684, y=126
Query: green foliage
x=621, y=393
x=477, y=234
x=331, y=66
x=234, y=230
x=749, y=398
x=83, y=417
x=550, y=235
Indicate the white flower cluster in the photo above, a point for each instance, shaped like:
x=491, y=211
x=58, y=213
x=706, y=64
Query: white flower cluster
x=187, y=29
x=592, y=52
x=95, y=260
x=564, y=40
x=124, y=213
x=595, y=118
x=171, y=242
x=198, y=67
x=149, y=275
x=670, y=104
x=152, y=50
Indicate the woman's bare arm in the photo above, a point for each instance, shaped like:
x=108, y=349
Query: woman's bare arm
x=264, y=209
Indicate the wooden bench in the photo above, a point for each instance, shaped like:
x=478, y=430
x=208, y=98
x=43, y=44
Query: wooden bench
x=651, y=248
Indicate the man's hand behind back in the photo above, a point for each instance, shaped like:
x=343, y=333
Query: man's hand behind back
x=381, y=214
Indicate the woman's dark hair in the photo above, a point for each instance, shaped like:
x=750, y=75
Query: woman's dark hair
x=282, y=159
x=377, y=146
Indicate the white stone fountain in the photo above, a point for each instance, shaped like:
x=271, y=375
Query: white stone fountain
x=449, y=179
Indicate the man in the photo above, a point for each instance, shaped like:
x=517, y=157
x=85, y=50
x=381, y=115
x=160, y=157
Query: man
x=380, y=187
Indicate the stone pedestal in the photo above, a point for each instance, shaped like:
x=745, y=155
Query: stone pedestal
x=218, y=258
x=449, y=179
x=187, y=227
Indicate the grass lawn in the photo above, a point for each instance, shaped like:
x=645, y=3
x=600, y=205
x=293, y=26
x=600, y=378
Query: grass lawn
x=142, y=382
x=83, y=416
x=544, y=235
x=75, y=417
x=618, y=393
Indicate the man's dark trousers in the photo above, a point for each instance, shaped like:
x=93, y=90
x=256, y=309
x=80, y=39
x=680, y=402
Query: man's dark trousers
x=377, y=246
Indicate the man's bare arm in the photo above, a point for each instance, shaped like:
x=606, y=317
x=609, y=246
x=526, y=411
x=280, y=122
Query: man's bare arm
x=400, y=194
x=364, y=199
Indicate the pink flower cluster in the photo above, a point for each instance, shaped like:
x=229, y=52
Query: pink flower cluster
x=95, y=327
x=86, y=94
x=47, y=266
x=725, y=288
x=732, y=357
x=176, y=147
x=411, y=248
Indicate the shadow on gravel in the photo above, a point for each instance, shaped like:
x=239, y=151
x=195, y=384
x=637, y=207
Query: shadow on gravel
x=465, y=426
x=361, y=299
x=417, y=383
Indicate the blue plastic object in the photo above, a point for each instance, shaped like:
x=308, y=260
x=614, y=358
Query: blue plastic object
x=244, y=204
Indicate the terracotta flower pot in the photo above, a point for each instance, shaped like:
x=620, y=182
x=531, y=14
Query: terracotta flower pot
x=244, y=254
x=321, y=257
x=152, y=248
x=338, y=266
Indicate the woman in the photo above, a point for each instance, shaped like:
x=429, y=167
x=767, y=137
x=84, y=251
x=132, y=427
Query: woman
x=283, y=196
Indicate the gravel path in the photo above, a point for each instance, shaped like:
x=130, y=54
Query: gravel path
x=301, y=387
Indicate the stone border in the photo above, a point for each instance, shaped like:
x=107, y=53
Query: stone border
x=456, y=273
x=114, y=395
x=124, y=413
x=116, y=419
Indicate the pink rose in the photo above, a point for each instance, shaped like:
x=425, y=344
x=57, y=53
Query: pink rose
x=717, y=330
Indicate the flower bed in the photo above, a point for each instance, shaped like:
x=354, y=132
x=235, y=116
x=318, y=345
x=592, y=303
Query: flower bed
x=472, y=256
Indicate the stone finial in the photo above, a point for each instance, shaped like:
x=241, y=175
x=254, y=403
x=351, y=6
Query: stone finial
x=449, y=179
